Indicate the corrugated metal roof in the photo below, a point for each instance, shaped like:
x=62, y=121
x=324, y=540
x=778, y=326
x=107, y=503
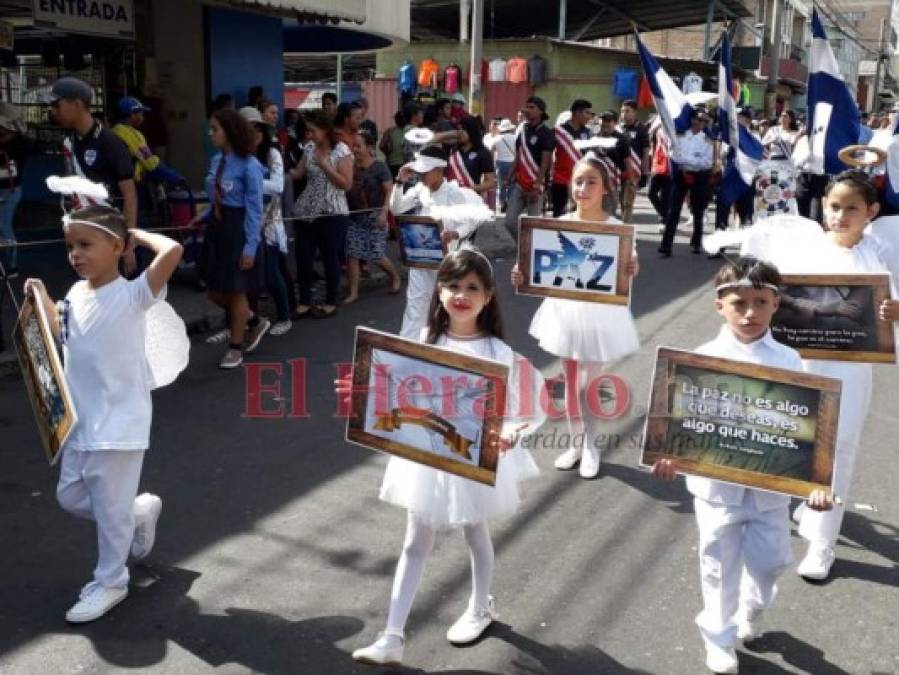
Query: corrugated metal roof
x=586, y=19
x=350, y=10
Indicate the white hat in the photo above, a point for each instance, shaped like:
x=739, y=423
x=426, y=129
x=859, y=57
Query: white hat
x=506, y=125
x=425, y=163
x=252, y=115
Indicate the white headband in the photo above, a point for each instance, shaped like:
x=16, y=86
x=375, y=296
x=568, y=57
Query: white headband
x=476, y=251
x=745, y=282
x=68, y=220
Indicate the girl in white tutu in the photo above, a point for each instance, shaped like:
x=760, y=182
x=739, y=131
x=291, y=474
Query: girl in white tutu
x=464, y=317
x=589, y=333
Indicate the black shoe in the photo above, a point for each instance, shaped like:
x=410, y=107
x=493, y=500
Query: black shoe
x=666, y=253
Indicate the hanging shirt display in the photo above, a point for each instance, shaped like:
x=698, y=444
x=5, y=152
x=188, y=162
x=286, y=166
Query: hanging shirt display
x=428, y=73
x=451, y=78
x=624, y=83
x=497, y=70
x=692, y=83
x=537, y=70
x=517, y=70
x=407, y=78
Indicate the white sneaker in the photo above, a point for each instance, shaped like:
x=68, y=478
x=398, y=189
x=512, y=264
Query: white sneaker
x=817, y=562
x=281, y=327
x=146, y=514
x=749, y=624
x=387, y=650
x=590, y=462
x=721, y=660
x=568, y=459
x=95, y=600
x=471, y=625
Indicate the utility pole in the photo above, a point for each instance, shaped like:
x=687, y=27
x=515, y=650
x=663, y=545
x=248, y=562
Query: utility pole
x=477, y=42
x=563, y=18
x=877, y=73
x=773, y=52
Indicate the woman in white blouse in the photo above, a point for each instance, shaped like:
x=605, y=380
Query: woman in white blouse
x=779, y=141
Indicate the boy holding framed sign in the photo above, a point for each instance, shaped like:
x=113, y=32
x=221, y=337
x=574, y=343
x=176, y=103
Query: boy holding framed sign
x=744, y=533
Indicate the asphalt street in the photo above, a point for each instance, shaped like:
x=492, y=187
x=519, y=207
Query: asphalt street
x=274, y=554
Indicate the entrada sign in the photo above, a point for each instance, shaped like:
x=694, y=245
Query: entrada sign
x=112, y=18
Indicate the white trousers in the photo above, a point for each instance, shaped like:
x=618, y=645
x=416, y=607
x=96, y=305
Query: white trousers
x=742, y=552
x=101, y=485
x=419, y=290
x=823, y=527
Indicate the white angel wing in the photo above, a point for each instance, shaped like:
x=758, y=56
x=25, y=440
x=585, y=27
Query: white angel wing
x=167, y=346
x=76, y=185
x=885, y=231
x=794, y=244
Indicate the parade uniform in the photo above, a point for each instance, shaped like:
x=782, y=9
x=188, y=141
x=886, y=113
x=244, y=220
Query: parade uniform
x=565, y=157
x=744, y=534
x=465, y=221
x=693, y=158
x=531, y=141
x=638, y=138
x=101, y=157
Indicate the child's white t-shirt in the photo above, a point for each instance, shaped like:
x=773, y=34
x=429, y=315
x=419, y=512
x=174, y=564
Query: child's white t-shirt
x=106, y=365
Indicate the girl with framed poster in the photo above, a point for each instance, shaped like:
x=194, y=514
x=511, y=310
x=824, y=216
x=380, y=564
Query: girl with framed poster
x=588, y=333
x=463, y=317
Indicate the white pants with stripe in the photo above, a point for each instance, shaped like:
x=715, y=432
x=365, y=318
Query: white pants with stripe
x=101, y=485
x=742, y=552
x=419, y=290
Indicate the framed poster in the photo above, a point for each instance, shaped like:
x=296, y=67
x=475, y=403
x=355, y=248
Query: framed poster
x=757, y=426
x=420, y=242
x=427, y=404
x=834, y=317
x=575, y=260
x=42, y=371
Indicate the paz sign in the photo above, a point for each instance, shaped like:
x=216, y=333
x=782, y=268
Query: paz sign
x=110, y=18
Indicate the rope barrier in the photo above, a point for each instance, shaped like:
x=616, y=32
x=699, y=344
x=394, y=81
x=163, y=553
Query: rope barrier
x=181, y=228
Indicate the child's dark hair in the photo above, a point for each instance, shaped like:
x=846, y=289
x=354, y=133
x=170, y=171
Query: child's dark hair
x=105, y=216
x=757, y=271
x=858, y=181
x=456, y=265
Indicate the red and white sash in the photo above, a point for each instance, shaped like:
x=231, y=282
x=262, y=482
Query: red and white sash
x=633, y=166
x=458, y=171
x=566, y=143
x=526, y=169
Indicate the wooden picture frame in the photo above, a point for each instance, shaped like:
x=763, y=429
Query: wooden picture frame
x=607, y=282
x=45, y=382
x=752, y=425
x=847, y=329
x=452, y=439
x=426, y=257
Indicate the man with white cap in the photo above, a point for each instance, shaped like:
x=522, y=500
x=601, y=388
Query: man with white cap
x=459, y=210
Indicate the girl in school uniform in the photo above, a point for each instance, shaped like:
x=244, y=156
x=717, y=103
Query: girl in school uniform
x=463, y=317
x=591, y=334
x=102, y=325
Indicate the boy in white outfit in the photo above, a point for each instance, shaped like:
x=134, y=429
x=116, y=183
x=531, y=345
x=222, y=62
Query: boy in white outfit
x=459, y=211
x=744, y=534
x=102, y=328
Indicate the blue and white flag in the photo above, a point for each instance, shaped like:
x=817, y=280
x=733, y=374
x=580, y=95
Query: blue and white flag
x=833, y=114
x=745, y=150
x=671, y=103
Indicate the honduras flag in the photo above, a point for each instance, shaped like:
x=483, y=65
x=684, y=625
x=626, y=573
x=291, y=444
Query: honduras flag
x=833, y=114
x=671, y=103
x=745, y=151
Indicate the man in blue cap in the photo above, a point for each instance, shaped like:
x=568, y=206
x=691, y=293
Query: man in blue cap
x=94, y=152
x=147, y=165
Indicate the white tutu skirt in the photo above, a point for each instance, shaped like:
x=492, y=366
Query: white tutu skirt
x=445, y=500
x=585, y=331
